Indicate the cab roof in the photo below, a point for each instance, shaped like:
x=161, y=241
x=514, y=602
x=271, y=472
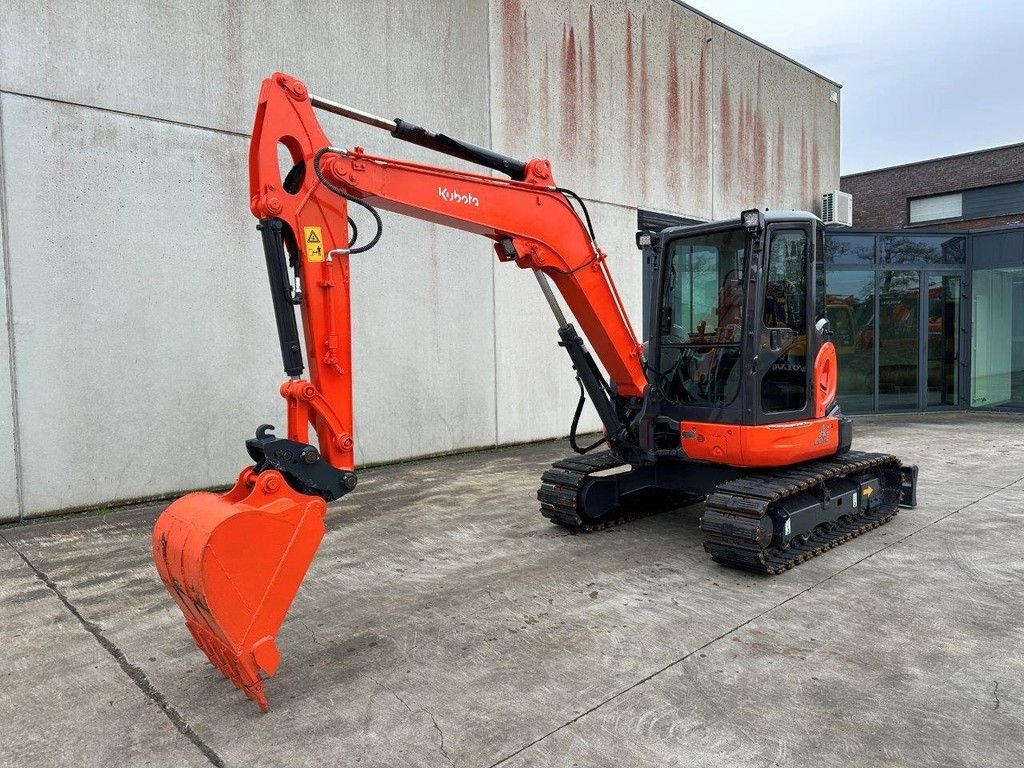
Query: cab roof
x=770, y=217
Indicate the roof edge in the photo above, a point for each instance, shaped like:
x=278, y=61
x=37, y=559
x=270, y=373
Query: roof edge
x=933, y=160
x=758, y=43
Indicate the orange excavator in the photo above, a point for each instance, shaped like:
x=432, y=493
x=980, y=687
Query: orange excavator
x=732, y=401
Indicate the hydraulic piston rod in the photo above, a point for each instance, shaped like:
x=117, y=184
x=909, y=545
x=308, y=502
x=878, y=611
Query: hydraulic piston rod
x=414, y=134
x=352, y=113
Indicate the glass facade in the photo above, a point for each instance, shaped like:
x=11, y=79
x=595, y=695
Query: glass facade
x=925, y=321
x=943, y=358
x=850, y=249
x=922, y=249
x=851, y=316
x=899, y=309
x=997, y=338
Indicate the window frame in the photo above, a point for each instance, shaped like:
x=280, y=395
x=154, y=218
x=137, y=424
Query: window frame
x=930, y=222
x=809, y=311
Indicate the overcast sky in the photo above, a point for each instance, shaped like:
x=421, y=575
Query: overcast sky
x=920, y=79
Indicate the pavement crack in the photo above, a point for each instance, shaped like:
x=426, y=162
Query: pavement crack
x=135, y=674
x=440, y=733
x=995, y=694
x=684, y=657
x=419, y=710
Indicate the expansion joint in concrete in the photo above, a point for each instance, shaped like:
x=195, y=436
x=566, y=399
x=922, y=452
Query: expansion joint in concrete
x=5, y=253
x=125, y=113
x=135, y=674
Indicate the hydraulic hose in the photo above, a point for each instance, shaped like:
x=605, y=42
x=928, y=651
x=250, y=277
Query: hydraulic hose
x=342, y=193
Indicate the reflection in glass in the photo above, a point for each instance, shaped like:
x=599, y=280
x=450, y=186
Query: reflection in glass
x=703, y=310
x=943, y=339
x=899, y=294
x=851, y=318
x=922, y=249
x=784, y=386
x=850, y=249
x=997, y=338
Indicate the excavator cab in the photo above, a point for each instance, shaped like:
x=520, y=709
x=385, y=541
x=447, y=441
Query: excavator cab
x=740, y=339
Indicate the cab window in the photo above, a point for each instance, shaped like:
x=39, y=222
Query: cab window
x=784, y=386
x=702, y=319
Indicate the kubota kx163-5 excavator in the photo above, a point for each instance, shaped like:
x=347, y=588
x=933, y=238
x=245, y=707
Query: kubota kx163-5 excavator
x=733, y=400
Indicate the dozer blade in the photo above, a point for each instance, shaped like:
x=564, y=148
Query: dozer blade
x=233, y=564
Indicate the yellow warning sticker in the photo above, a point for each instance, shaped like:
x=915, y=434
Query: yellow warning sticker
x=314, y=244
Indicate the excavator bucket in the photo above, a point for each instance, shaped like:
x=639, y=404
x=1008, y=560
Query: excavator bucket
x=233, y=564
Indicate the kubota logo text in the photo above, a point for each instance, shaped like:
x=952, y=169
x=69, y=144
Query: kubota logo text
x=454, y=196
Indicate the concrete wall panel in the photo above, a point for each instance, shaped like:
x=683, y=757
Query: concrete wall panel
x=615, y=94
x=148, y=345
x=201, y=61
x=145, y=343
x=423, y=355
x=537, y=391
x=776, y=130
x=8, y=468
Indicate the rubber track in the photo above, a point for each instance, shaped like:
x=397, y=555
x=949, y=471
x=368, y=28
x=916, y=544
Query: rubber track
x=559, y=492
x=733, y=512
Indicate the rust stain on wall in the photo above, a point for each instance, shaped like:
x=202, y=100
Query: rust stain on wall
x=630, y=88
x=725, y=127
x=593, y=102
x=780, y=158
x=673, y=116
x=515, y=58
x=805, y=183
x=570, y=91
x=698, y=116
x=645, y=83
x=758, y=145
x=545, y=87
x=640, y=169
x=691, y=134
x=815, y=171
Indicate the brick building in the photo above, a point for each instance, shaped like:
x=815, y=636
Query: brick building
x=969, y=191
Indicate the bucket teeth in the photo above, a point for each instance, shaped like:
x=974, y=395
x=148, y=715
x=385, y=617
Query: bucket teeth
x=233, y=564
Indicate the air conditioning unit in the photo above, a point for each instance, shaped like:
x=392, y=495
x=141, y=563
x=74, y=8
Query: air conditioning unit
x=837, y=209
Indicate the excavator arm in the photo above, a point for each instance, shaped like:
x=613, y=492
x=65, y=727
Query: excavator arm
x=234, y=562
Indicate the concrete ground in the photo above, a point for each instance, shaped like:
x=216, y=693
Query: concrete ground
x=445, y=623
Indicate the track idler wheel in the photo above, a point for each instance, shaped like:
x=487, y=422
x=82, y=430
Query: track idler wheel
x=233, y=564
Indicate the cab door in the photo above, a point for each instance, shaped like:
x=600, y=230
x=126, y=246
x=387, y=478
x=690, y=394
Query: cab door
x=785, y=315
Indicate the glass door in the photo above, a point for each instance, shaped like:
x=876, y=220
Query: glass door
x=899, y=339
x=941, y=349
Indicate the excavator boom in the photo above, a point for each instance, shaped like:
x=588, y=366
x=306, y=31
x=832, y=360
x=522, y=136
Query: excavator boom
x=233, y=563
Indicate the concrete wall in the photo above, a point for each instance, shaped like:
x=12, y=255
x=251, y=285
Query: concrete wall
x=139, y=320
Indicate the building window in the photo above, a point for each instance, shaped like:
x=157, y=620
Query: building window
x=851, y=318
x=922, y=249
x=936, y=208
x=981, y=203
x=997, y=338
x=899, y=296
x=1000, y=200
x=850, y=249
